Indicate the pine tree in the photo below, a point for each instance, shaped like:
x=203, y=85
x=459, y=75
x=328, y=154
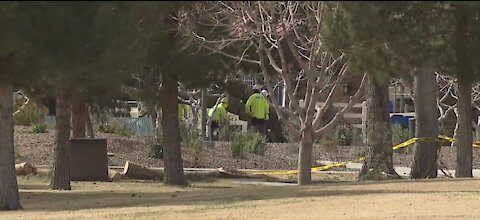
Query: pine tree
x=81, y=47
x=400, y=36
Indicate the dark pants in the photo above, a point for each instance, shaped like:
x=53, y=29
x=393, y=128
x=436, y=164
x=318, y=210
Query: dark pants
x=259, y=125
x=213, y=127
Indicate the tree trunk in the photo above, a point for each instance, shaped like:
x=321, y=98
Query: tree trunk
x=173, y=163
x=305, y=157
x=402, y=99
x=9, y=198
x=61, y=167
x=477, y=129
x=465, y=78
x=426, y=123
x=78, y=116
x=90, y=131
x=465, y=129
x=204, y=113
x=378, y=161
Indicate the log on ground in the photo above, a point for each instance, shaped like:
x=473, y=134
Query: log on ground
x=25, y=169
x=115, y=176
x=136, y=171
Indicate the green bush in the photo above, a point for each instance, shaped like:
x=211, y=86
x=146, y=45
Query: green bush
x=250, y=142
x=124, y=131
x=237, y=145
x=38, y=129
x=121, y=130
x=106, y=128
x=344, y=135
x=28, y=115
x=399, y=134
x=256, y=143
x=189, y=136
x=156, y=148
x=227, y=132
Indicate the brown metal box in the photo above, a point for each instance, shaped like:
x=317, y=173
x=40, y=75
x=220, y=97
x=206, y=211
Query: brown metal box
x=88, y=159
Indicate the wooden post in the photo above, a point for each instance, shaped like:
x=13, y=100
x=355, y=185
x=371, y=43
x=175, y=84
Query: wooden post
x=364, y=122
x=394, y=101
x=204, y=113
x=402, y=101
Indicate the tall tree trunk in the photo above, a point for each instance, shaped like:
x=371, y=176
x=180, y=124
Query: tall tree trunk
x=465, y=129
x=465, y=78
x=78, y=116
x=378, y=163
x=305, y=157
x=61, y=168
x=426, y=123
x=9, y=198
x=402, y=99
x=158, y=125
x=204, y=113
x=89, y=125
x=173, y=163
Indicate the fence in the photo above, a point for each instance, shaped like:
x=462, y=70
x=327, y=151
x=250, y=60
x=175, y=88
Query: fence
x=357, y=117
x=142, y=126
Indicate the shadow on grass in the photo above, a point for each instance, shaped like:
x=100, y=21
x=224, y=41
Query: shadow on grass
x=46, y=200
x=404, y=180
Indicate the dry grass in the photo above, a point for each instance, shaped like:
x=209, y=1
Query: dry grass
x=427, y=199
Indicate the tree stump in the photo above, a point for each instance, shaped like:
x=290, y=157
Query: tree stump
x=135, y=171
x=25, y=169
x=115, y=176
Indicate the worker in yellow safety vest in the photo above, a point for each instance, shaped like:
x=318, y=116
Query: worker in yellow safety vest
x=217, y=114
x=182, y=111
x=258, y=108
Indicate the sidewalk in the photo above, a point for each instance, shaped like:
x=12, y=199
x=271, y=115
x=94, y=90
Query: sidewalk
x=405, y=171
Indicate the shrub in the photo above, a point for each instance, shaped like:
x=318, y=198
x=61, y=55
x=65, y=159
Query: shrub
x=106, y=128
x=226, y=132
x=156, y=148
x=256, y=143
x=38, y=129
x=29, y=115
x=124, y=131
x=399, y=134
x=250, y=142
x=237, y=145
x=344, y=135
x=189, y=136
x=121, y=130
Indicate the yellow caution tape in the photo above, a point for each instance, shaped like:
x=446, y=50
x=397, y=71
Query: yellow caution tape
x=407, y=143
x=475, y=143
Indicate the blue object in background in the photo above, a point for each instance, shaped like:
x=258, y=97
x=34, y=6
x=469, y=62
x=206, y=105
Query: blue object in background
x=390, y=106
x=400, y=119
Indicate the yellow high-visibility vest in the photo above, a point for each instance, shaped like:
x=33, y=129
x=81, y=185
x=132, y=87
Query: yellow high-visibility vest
x=257, y=106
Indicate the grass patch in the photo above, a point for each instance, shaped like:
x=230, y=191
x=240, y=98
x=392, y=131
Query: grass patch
x=223, y=199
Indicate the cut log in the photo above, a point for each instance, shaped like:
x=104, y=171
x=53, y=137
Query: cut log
x=231, y=173
x=135, y=171
x=234, y=173
x=115, y=176
x=25, y=169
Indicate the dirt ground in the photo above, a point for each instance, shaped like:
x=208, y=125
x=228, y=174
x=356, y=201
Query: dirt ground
x=224, y=199
x=38, y=150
